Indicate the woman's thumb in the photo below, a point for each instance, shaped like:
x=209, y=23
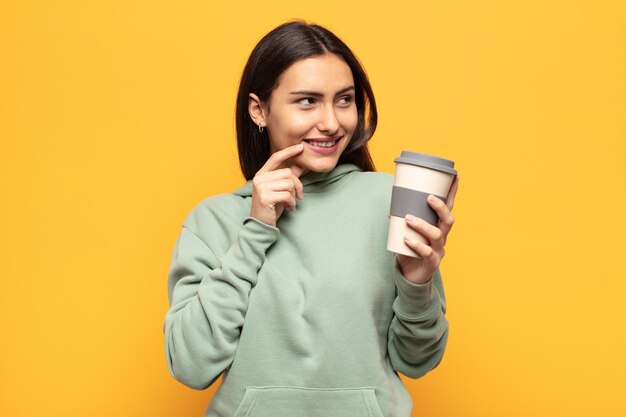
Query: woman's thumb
x=297, y=170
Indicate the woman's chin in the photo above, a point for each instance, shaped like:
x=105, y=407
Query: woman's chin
x=321, y=166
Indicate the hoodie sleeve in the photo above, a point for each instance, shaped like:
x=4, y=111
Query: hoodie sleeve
x=418, y=332
x=208, y=296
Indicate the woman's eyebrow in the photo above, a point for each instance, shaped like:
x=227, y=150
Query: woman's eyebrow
x=318, y=94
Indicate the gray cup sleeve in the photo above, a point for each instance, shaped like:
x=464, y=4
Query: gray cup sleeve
x=407, y=201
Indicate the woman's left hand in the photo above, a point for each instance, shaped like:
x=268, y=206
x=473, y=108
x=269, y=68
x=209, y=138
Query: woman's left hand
x=418, y=270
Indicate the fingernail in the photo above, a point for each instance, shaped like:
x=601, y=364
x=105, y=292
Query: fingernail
x=431, y=198
x=410, y=217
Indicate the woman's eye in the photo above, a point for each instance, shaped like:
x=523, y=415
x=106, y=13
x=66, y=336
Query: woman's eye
x=348, y=99
x=306, y=98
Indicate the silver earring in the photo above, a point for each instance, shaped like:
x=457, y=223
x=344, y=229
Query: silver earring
x=260, y=129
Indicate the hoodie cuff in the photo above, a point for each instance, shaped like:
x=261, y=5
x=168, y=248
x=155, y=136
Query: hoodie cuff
x=261, y=227
x=253, y=241
x=414, y=301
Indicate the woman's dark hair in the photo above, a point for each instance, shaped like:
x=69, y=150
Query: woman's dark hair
x=275, y=52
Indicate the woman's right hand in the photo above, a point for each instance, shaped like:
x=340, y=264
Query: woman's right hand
x=275, y=187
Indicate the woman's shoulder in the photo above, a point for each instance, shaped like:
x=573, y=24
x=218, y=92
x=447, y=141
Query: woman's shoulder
x=219, y=209
x=372, y=189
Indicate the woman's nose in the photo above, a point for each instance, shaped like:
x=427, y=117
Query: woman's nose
x=328, y=120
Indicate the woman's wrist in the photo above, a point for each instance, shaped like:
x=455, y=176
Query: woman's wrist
x=413, y=275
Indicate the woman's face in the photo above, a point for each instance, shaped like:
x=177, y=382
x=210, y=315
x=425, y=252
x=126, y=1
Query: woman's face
x=314, y=99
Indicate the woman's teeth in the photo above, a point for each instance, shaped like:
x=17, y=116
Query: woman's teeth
x=323, y=144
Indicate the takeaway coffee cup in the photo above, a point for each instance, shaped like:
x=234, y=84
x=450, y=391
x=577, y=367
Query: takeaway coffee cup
x=417, y=176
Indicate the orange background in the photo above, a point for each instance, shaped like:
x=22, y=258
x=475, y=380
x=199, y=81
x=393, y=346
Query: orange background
x=117, y=117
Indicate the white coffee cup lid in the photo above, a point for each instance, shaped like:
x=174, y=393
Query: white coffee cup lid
x=428, y=161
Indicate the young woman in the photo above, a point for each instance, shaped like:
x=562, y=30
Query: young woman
x=285, y=286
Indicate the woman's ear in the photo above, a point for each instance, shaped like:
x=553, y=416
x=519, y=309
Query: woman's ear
x=255, y=108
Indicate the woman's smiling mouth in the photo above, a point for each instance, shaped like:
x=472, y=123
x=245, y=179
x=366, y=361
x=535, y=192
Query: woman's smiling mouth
x=322, y=146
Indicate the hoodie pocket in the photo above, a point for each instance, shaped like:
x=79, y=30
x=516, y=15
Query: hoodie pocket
x=308, y=402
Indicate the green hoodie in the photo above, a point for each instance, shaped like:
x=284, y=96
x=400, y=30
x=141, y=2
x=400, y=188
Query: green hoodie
x=309, y=318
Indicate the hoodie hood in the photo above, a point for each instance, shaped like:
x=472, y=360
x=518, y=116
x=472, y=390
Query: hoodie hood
x=312, y=181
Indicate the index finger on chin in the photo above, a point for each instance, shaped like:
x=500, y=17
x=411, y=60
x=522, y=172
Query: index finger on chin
x=277, y=158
